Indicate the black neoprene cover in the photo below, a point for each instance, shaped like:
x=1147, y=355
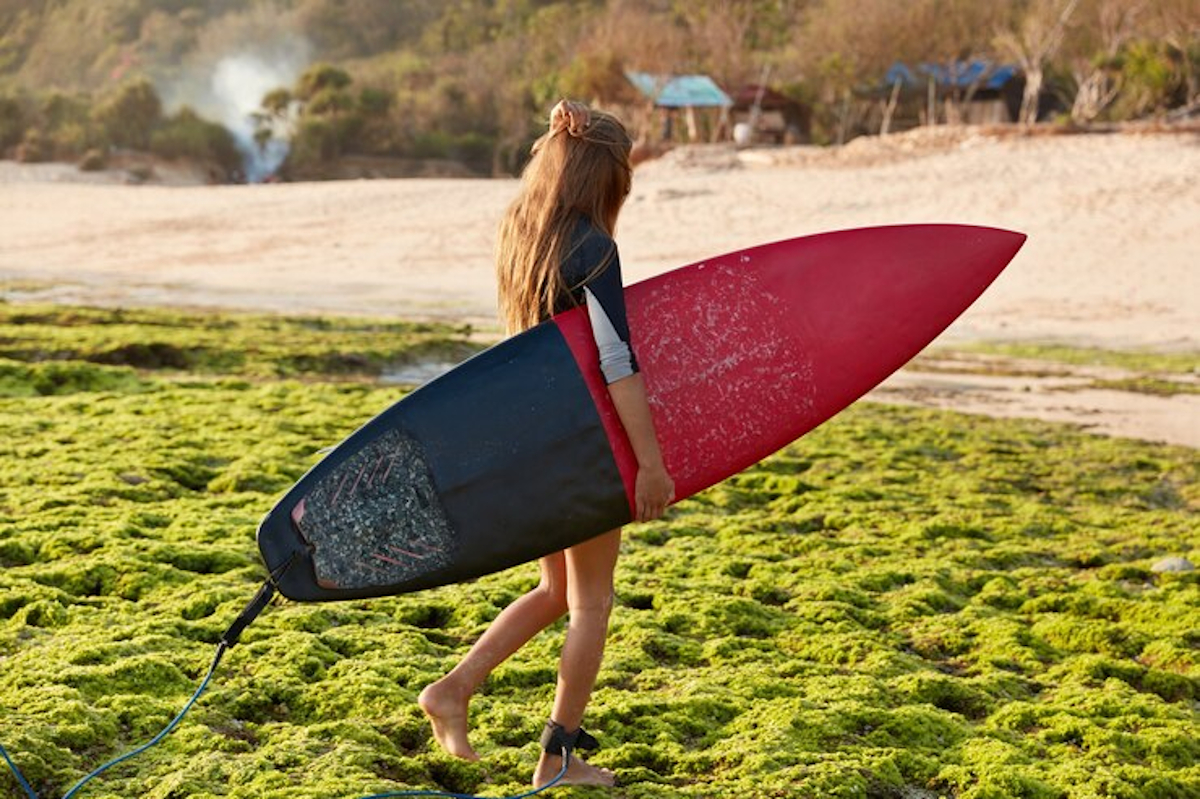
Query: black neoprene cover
x=495, y=463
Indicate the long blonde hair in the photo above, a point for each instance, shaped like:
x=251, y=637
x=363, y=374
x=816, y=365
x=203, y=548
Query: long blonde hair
x=570, y=174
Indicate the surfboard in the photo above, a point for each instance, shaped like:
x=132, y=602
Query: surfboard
x=518, y=452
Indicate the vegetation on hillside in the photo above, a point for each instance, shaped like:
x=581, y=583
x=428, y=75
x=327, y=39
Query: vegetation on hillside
x=60, y=126
x=470, y=79
x=904, y=603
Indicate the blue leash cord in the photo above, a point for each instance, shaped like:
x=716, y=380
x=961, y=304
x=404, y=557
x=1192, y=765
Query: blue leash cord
x=165, y=732
x=228, y=640
x=17, y=773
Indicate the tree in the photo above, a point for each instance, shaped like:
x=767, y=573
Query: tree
x=723, y=36
x=12, y=121
x=1177, y=24
x=1032, y=42
x=349, y=29
x=321, y=78
x=129, y=115
x=1106, y=26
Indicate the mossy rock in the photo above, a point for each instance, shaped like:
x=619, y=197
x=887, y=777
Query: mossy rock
x=905, y=603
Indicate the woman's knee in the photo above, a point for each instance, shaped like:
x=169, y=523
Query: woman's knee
x=589, y=571
x=596, y=603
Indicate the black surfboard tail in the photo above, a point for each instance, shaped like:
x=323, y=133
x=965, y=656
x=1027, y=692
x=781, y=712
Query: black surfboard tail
x=500, y=461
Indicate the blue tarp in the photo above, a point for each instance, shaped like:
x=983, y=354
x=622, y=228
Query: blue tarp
x=680, y=91
x=959, y=75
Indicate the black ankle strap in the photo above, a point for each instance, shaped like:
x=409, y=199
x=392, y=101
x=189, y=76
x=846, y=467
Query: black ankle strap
x=555, y=739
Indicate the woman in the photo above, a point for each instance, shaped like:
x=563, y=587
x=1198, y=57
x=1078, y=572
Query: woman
x=556, y=251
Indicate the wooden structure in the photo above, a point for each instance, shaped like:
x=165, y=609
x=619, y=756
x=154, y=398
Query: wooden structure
x=966, y=92
x=673, y=95
x=770, y=117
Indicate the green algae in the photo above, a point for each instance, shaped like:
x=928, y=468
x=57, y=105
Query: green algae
x=18, y=379
x=904, y=600
x=1147, y=385
x=208, y=343
x=1140, y=360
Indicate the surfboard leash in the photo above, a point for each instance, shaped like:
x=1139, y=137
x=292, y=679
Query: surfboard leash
x=228, y=640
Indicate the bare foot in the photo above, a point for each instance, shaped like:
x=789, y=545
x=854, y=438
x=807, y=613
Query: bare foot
x=579, y=772
x=447, y=711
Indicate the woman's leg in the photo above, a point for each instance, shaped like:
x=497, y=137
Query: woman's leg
x=590, y=567
x=445, y=701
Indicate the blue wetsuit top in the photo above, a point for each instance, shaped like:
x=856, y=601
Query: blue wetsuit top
x=592, y=273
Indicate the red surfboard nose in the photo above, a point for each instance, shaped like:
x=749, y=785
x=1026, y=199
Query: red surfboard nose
x=871, y=299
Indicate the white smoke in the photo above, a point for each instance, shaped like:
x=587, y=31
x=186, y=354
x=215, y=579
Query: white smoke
x=239, y=83
x=226, y=80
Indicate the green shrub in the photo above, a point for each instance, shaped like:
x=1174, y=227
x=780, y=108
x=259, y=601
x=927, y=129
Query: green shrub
x=130, y=114
x=186, y=135
x=1149, y=78
x=13, y=122
x=93, y=160
x=70, y=140
x=34, y=148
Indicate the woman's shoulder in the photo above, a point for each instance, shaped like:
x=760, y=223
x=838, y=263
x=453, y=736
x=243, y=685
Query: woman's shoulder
x=587, y=230
x=589, y=239
x=591, y=252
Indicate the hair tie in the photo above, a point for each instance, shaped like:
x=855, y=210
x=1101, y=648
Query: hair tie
x=574, y=118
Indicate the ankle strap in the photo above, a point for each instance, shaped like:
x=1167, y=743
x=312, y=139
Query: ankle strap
x=556, y=739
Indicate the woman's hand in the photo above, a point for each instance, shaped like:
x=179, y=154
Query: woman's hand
x=653, y=491
x=570, y=116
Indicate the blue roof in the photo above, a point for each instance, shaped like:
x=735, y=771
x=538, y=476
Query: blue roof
x=679, y=91
x=960, y=74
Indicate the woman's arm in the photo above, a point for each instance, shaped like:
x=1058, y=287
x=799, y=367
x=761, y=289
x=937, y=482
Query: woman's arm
x=654, y=489
x=604, y=296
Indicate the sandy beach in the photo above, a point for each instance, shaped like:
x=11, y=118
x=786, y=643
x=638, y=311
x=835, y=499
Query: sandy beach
x=1113, y=257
